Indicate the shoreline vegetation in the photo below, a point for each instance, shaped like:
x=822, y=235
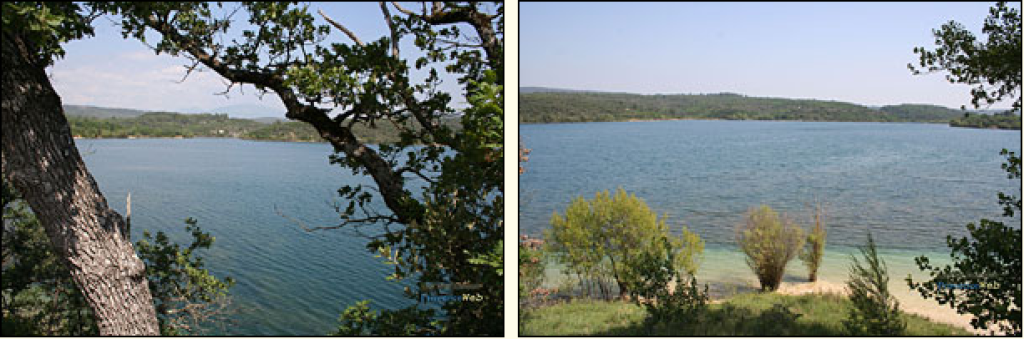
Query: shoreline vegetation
x=110, y=123
x=801, y=311
x=820, y=307
x=551, y=106
x=642, y=280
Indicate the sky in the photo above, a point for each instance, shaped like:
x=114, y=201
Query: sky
x=852, y=52
x=110, y=71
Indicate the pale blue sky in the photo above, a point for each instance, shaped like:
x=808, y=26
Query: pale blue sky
x=855, y=52
x=107, y=70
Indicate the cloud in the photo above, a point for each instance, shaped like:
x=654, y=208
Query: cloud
x=140, y=79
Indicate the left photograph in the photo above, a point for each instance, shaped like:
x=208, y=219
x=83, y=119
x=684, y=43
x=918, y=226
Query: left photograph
x=253, y=169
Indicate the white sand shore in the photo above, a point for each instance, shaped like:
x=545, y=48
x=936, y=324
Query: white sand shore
x=922, y=307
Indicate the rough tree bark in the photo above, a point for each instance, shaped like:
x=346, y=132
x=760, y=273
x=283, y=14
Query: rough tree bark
x=41, y=160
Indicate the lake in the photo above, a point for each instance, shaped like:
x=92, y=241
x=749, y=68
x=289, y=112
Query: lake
x=908, y=184
x=246, y=194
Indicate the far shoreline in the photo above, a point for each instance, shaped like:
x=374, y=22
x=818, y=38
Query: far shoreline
x=77, y=137
x=717, y=119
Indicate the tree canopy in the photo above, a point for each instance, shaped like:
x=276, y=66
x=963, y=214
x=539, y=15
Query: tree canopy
x=992, y=67
x=451, y=231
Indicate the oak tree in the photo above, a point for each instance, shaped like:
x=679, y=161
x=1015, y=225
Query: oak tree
x=41, y=160
x=441, y=187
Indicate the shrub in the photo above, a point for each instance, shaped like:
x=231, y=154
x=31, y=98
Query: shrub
x=875, y=311
x=531, y=265
x=769, y=243
x=185, y=294
x=610, y=235
x=657, y=270
x=815, y=249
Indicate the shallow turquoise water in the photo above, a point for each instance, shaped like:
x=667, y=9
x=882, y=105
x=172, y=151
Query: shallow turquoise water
x=910, y=185
x=290, y=282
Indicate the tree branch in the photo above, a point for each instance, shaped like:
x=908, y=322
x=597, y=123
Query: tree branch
x=342, y=28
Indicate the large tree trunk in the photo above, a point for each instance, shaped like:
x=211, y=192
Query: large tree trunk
x=41, y=160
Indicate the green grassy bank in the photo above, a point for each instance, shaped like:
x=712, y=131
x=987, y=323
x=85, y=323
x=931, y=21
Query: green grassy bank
x=747, y=314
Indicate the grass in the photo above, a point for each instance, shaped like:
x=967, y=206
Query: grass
x=748, y=314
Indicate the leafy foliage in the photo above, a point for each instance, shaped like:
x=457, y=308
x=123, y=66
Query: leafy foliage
x=47, y=25
x=442, y=186
x=613, y=236
x=989, y=259
x=769, y=242
x=545, y=107
x=41, y=299
x=815, y=249
x=359, y=320
x=992, y=67
x=186, y=295
x=875, y=311
x=657, y=271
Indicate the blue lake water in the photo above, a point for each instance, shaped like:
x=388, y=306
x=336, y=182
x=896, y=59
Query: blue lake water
x=290, y=282
x=909, y=184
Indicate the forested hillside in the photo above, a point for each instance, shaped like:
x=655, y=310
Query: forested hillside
x=1000, y=121
x=545, y=107
x=101, y=112
x=172, y=125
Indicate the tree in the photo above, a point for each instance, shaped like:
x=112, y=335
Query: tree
x=447, y=233
x=875, y=311
x=41, y=299
x=993, y=67
x=769, y=242
x=815, y=249
x=990, y=259
x=988, y=262
x=41, y=160
x=39, y=296
x=615, y=235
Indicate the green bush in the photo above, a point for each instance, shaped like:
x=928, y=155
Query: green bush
x=875, y=311
x=769, y=243
x=657, y=271
x=610, y=235
x=815, y=249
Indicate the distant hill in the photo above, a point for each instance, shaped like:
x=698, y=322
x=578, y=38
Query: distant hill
x=982, y=120
x=176, y=125
x=541, y=105
x=247, y=111
x=553, y=90
x=269, y=120
x=101, y=112
x=243, y=111
x=922, y=112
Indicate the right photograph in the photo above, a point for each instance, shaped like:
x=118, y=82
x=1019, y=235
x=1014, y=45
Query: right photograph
x=769, y=169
